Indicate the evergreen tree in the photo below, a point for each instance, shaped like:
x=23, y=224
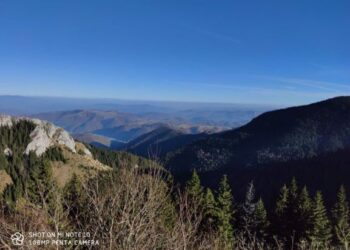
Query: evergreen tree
x=304, y=206
x=290, y=225
x=3, y=161
x=210, y=208
x=281, y=222
x=292, y=210
x=225, y=214
x=261, y=221
x=320, y=232
x=41, y=186
x=194, y=188
x=341, y=219
x=293, y=193
x=74, y=200
x=282, y=201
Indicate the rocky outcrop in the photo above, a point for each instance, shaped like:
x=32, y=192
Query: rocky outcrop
x=8, y=152
x=87, y=152
x=6, y=120
x=43, y=136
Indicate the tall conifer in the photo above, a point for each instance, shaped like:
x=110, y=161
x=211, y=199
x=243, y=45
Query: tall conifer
x=320, y=232
x=303, y=218
x=261, y=221
x=210, y=208
x=341, y=219
x=225, y=214
x=281, y=222
x=194, y=188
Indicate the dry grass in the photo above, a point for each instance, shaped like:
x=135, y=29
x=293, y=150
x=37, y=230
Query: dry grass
x=81, y=165
x=5, y=180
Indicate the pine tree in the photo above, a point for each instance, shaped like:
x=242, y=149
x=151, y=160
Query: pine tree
x=304, y=206
x=41, y=186
x=320, y=232
x=280, y=225
x=287, y=212
x=282, y=201
x=194, y=188
x=75, y=198
x=261, y=221
x=72, y=196
x=292, y=210
x=341, y=219
x=293, y=192
x=225, y=214
x=3, y=161
x=210, y=208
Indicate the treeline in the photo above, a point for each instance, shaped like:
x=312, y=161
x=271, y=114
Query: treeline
x=296, y=222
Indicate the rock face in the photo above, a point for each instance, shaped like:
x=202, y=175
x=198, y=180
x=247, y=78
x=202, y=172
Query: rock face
x=6, y=120
x=87, y=152
x=8, y=152
x=43, y=136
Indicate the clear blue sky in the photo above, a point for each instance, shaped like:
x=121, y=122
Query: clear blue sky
x=276, y=52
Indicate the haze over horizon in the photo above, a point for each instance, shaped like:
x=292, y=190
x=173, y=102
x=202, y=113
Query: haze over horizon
x=276, y=53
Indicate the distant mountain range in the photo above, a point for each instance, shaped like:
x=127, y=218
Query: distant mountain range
x=114, y=123
x=118, y=126
x=218, y=114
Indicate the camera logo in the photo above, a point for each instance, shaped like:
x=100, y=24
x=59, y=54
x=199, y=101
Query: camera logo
x=17, y=239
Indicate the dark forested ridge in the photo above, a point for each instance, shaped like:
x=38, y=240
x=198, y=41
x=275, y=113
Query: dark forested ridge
x=309, y=142
x=325, y=172
x=277, y=136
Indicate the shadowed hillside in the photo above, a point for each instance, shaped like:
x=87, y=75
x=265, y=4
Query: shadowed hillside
x=276, y=136
x=309, y=142
x=160, y=141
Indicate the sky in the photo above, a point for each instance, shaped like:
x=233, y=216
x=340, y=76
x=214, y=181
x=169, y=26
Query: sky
x=248, y=51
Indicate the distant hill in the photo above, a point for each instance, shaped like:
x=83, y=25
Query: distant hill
x=161, y=141
x=118, y=126
x=218, y=114
x=80, y=121
x=98, y=140
x=112, y=124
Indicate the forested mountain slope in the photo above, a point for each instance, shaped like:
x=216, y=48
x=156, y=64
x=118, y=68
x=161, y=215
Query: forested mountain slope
x=274, y=137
